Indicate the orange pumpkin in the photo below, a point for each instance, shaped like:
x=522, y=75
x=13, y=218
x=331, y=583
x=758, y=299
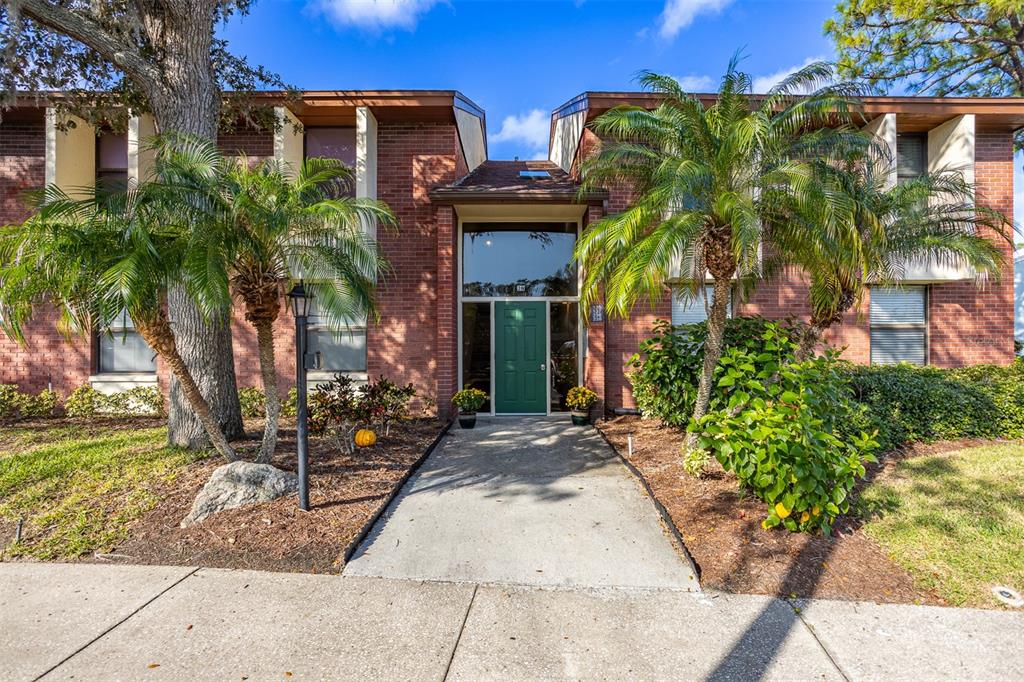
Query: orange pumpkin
x=365, y=438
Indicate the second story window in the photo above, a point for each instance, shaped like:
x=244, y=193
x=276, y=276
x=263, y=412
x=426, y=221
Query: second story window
x=911, y=156
x=112, y=161
x=334, y=143
x=122, y=349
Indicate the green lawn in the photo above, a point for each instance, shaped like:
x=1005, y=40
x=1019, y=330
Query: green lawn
x=955, y=521
x=79, y=486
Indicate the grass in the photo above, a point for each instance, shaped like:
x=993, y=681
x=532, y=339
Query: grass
x=79, y=487
x=954, y=521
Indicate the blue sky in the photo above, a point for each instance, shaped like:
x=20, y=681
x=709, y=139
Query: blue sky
x=520, y=60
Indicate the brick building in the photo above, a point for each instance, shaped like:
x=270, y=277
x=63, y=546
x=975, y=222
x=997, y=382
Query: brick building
x=484, y=290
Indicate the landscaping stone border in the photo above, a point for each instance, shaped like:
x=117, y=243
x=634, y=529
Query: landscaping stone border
x=353, y=545
x=666, y=518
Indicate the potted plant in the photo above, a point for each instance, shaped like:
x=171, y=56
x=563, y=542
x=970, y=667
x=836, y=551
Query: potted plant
x=579, y=400
x=468, y=400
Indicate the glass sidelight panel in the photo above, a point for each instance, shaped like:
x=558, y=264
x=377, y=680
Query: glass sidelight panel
x=564, y=351
x=476, y=348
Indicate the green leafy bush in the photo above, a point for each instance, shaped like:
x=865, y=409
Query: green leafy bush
x=666, y=371
x=777, y=427
x=15, y=404
x=86, y=401
x=253, y=402
x=908, y=404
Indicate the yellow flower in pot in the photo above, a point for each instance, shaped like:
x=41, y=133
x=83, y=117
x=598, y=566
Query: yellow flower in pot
x=468, y=400
x=579, y=400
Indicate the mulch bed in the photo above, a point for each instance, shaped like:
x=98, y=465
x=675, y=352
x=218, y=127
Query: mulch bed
x=721, y=528
x=345, y=493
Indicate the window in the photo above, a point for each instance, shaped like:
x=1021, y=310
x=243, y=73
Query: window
x=476, y=348
x=689, y=309
x=341, y=348
x=518, y=259
x=122, y=349
x=112, y=161
x=534, y=174
x=564, y=374
x=898, y=321
x=911, y=156
x=334, y=143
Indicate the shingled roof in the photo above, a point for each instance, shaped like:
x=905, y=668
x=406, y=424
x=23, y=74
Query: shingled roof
x=504, y=181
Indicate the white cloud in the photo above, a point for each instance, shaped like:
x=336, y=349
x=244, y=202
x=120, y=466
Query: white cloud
x=678, y=14
x=696, y=83
x=530, y=129
x=765, y=83
x=375, y=15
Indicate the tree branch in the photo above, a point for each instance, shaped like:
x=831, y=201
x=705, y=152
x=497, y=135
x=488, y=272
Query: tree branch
x=88, y=32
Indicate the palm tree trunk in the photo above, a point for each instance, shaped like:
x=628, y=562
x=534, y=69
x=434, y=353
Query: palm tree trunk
x=712, y=351
x=810, y=338
x=265, y=342
x=159, y=336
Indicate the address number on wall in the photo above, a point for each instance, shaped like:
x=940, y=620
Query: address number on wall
x=597, y=313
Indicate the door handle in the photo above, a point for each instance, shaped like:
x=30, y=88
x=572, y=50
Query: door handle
x=543, y=366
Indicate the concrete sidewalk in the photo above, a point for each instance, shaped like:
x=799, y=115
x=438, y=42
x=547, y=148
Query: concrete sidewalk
x=89, y=622
x=524, y=501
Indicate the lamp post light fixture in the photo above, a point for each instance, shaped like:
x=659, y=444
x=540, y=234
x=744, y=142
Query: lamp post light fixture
x=301, y=303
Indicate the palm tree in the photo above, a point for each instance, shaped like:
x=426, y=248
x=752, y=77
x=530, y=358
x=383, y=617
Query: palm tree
x=95, y=259
x=707, y=180
x=255, y=229
x=931, y=218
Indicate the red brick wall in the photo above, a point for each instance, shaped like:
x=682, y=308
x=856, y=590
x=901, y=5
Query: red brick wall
x=256, y=144
x=409, y=345
x=968, y=325
x=47, y=358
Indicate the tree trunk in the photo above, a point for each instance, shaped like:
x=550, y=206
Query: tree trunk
x=188, y=100
x=809, y=341
x=265, y=340
x=159, y=336
x=712, y=350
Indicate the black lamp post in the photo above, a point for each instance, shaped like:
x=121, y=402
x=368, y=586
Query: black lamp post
x=301, y=302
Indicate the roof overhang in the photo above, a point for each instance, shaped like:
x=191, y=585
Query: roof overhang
x=518, y=212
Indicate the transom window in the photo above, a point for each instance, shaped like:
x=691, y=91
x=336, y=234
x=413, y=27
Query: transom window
x=518, y=259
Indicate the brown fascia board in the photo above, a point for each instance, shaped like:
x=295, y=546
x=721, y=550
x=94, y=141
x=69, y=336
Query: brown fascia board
x=299, y=100
x=1004, y=111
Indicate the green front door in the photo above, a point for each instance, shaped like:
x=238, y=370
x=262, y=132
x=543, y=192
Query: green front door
x=520, y=357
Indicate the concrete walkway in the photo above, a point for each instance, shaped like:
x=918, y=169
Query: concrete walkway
x=524, y=501
x=89, y=622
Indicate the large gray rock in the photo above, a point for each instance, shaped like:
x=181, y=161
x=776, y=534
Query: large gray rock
x=238, y=483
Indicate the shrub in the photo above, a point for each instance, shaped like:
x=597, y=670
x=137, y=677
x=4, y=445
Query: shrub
x=253, y=402
x=907, y=403
x=382, y=403
x=289, y=406
x=777, y=427
x=83, y=402
x=86, y=401
x=666, y=370
x=15, y=404
x=339, y=408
